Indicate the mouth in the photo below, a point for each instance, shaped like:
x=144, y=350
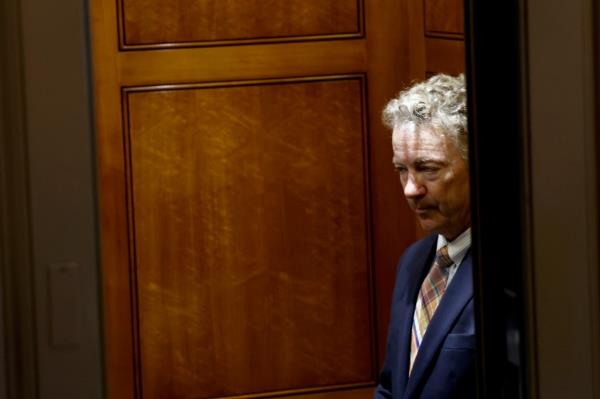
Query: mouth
x=423, y=210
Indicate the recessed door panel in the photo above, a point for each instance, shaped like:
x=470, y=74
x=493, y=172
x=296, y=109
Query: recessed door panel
x=205, y=22
x=251, y=236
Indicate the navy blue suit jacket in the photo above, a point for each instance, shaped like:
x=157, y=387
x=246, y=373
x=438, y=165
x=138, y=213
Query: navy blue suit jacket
x=445, y=364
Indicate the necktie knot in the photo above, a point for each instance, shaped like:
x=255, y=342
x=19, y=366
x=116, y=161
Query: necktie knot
x=442, y=259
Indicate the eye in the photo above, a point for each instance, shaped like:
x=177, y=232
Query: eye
x=429, y=170
x=400, y=168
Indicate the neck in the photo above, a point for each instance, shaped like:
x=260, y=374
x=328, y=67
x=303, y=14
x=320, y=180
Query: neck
x=454, y=236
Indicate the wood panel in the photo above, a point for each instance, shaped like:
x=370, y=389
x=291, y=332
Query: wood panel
x=444, y=17
x=445, y=55
x=245, y=62
x=387, y=65
x=251, y=236
x=194, y=22
x=360, y=393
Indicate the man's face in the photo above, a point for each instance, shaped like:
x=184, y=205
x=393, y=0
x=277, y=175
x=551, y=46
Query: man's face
x=435, y=179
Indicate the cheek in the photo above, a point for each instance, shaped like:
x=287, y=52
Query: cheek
x=458, y=197
x=451, y=195
x=456, y=187
x=445, y=191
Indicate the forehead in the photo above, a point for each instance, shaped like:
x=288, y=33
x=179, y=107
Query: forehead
x=410, y=141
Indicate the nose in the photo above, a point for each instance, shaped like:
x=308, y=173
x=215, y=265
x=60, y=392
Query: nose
x=413, y=188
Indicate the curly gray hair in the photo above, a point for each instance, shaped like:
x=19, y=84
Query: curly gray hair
x=439, y=102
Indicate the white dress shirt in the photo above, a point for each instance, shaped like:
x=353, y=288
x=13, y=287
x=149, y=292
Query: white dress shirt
x=457, y=249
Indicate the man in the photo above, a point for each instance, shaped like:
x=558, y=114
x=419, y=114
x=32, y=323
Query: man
x=431, y=338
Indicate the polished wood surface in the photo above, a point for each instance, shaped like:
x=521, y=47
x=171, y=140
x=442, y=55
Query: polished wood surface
x=244, y=62
x=444, y=55
x=250, y=237
x=185, y=21
x=133, y=346
x=119, y=351
x=356, y=393
x=444, y=17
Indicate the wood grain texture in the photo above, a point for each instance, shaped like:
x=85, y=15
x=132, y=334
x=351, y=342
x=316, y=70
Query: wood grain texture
x=361, y=393
x=112, y=203
x=387, y=64
x=171, y=66
x=444, y=16
x=445, y=55
x=204, y=21
x=251, y=237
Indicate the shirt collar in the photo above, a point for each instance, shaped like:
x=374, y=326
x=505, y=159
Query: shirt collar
x=457, y=249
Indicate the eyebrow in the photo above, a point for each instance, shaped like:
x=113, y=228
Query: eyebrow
x=396, y=162
x=421, y=161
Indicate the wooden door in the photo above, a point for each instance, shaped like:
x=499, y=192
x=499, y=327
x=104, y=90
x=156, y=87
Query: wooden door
x=250, y=217
x=444, y=36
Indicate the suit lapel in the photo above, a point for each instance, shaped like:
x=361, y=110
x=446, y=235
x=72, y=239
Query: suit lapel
x=417, y=270
x=458, y=294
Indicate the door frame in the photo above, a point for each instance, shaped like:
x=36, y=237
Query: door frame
x=50, y=318
x=17, y=344
x=533, y=100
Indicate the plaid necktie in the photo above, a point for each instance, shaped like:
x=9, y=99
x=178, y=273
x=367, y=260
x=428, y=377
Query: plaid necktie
x=430, y=295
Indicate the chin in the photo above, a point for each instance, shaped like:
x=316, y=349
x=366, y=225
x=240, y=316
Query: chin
x=429, y=228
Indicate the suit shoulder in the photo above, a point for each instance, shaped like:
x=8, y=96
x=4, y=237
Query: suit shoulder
x=420, y=248
x=411, y=265
x=416, y=255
